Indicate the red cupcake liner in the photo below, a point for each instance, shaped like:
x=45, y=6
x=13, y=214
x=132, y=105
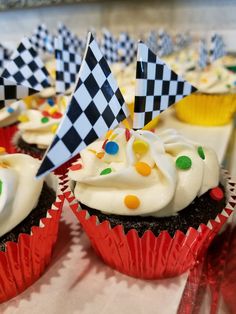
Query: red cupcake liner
x=6, y=135
x=24, y=261
x=150, y=256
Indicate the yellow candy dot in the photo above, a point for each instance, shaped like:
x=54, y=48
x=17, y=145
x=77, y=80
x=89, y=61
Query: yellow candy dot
x=143, y=168
x=22, y=118
x=109, y=133
x=140, y=147
x=100, y=155
x=54, y=128
x=53, y=109
x=2, y=150
x=132, y=201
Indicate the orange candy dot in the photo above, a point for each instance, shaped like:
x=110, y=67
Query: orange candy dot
x=132, y=201
x=143, y=168
x=100, y=155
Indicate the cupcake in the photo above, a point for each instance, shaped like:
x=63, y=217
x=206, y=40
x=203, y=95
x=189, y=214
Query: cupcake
x=8, y=124
x=150, y=203
x=37, y=127
x=29, y=222
x=215, y=102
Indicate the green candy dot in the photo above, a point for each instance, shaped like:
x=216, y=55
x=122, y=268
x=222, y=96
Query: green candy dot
x=44, y=120
x=183, y=162
x=105, y=171
x=0, y=187
x=201, y=152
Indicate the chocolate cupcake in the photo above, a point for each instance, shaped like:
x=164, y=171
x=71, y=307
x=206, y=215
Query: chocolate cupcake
x=28, y=225
x=153, y=198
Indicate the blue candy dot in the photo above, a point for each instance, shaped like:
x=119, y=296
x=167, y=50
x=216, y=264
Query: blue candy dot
x=111, y=148
x=50, y=101
x=10, y=110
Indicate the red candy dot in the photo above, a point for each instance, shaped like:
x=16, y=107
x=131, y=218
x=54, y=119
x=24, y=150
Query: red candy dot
x=76, y=167
x=216, y=194
x=56, y=115
x=45, y=113
x=127, y=134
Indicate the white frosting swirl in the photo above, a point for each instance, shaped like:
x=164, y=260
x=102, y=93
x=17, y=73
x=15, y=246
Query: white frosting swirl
x=8, y=117
x=164, y=192
x=19, y=189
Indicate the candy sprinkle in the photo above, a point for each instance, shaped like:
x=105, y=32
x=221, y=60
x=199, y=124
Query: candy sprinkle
x=201, y=152
x=50, y=101
x=100, y=155
x=127, y=134
x=23, y=118
x=111, y=148
x=140, y=147
x=44, y=119
x=54, y=128
x=10, y=110
x=57, y=115
x=183, y=162
x=131, y=201
x=0, y=187
x=45, y=113
x=2, y=150
x=76, y=167
x=216, y=194
x=109, y=133
x=105, y=171
x=143, y=168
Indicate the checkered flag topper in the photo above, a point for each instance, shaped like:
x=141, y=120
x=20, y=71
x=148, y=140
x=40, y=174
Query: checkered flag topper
x=127, y=49
x=109, y=47
x=217, y=49
x=41, y=39
x=26, y=68
x=11, y=92
x=157, y=87
x=203, y=54
x=69, y=38
x=68, y=62
x=96, y=106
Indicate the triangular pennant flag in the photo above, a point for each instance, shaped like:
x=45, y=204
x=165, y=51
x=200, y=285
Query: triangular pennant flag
x=41, y=39
x=69, y=38
x=67, y=65
x=217, y=48
x=26, y=68
x=11, y=92
x=203, y=54
x=165, y=44
x=157, y=87
x=152, y=41
x=96, y=106
x=127, y=49
x=4, y=56
x=109, y=47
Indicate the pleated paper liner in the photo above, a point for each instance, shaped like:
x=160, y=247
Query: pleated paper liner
x=24, y=262
x=150, y=256
x=6, y=135
x=207, y=109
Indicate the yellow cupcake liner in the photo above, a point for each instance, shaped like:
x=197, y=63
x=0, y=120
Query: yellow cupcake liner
x=151, y=125
x=206, y=109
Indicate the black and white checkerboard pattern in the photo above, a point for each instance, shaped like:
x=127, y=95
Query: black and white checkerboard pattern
x=217, y=47
x=68, y=63
x=97, y=105
x=42, y=40
x=203, y=54
x=69, y=38
x=157, y=87
x=10, y=92
x=26, y=68
x=109, y=47
x=165, y=44
x=127, y=49
x=4, y=57
x=152, y=41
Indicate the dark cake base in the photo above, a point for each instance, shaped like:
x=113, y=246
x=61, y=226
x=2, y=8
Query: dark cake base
x=46, y=198
x=30, y=148
x=201, y=210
